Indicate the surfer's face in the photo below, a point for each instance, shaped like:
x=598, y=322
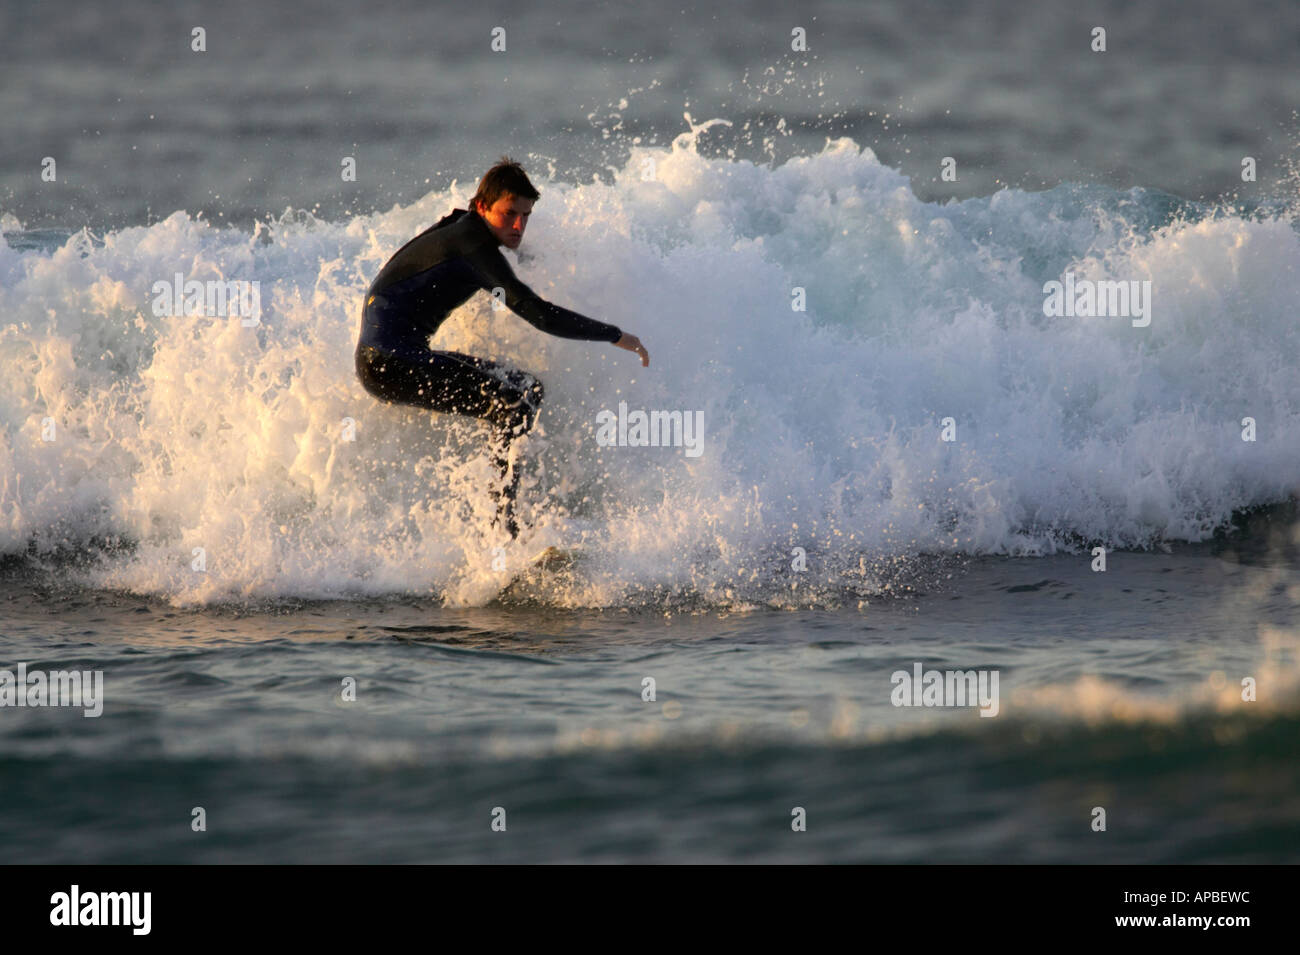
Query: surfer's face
x=508, y=218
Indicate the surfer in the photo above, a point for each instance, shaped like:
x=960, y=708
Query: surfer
x=435, y=273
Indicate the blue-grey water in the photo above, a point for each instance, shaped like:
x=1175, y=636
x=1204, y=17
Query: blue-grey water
x=1112, y=692
x=307, y=631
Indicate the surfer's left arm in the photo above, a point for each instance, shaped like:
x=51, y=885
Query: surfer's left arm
x=633, y=344
x=535, y=310
x=568, y=324
x=495, y=272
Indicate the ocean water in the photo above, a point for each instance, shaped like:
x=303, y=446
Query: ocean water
x=306, y=627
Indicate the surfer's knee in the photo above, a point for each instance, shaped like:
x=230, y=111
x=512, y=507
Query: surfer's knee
x=533, y=396
x=530, y=404
x=521, y=413
x=365, y=373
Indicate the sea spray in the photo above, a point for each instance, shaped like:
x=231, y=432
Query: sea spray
x=258, y=446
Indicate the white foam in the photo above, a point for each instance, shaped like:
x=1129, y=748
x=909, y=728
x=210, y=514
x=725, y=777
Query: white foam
x=821, y=429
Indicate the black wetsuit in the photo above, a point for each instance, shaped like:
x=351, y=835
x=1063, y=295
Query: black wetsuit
x=413, y=294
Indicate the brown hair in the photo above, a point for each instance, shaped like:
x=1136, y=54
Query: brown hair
x=507, y=177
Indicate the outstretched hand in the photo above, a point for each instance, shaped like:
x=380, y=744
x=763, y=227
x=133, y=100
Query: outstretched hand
x=630, y=342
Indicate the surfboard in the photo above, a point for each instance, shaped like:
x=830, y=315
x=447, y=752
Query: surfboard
x=551, y=561
x=556, y=558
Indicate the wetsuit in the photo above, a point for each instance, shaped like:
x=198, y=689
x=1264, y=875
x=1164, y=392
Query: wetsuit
x=424, y=281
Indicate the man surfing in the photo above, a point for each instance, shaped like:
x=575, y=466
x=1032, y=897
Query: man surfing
x=437, y=272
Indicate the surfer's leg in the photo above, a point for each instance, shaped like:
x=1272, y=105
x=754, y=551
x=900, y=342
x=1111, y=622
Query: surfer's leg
x=504, y=493
x=517, y=397
x=506, y=398
x=453, y=383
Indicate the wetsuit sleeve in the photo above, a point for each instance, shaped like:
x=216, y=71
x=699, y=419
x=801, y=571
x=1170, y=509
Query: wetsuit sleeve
x=536, y=311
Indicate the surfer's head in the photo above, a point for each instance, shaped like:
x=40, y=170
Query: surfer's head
x=504, y=201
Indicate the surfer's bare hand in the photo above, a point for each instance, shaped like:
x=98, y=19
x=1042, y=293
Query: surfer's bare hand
x=631, y=343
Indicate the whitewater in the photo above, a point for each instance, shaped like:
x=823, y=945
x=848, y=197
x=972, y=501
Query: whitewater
x=255, y=454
